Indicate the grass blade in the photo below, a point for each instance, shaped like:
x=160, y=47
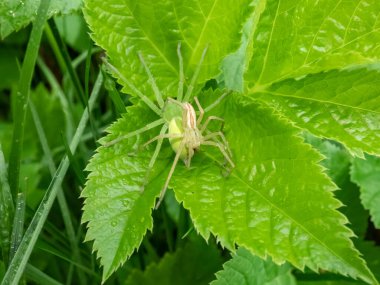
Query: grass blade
x=22, y=96
x=61, y=197
x=18, y=223
x=39, y=277
x=6, y=209
x=17, y=266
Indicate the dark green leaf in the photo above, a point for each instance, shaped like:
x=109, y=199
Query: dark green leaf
x=247, y=269
x=196, y=263
x=366, y=173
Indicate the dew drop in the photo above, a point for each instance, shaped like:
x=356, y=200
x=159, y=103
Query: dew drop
x=114, y=223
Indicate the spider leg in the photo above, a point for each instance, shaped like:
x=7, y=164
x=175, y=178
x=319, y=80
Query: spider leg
x=224, y=140
x=137, y=132
x=154, y=157
x=201, y=111
x=162, y=194
x=217, y=101
x=190, y=154
x=209, y=119
x=222, y=150
x=133, y=87
x=152, y=81
x=181, y=73
x=195, y=76
x=163, y=136
x=175, y=101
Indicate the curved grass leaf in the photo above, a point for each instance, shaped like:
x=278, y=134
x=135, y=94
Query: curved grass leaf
x=276, y=201
x=16, y=14
x=155, y=28
x=294, y=38
x=117, y=211
x=340, y=105
x=366, y=173
x=196, y=263
x=247, y=269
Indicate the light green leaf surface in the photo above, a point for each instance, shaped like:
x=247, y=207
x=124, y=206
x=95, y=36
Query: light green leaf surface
x=294, y=38
x=276, y=201
x=366, y=173
x=196, y=263
x=117, y=211
x=340, y=105
x=236, y=64
x=155, y=28
x=16, y=14
x=247, y=269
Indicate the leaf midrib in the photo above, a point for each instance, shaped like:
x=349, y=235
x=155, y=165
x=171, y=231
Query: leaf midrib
x=327, y=102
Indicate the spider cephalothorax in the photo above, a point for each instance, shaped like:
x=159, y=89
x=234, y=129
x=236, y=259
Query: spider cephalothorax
x=186, y=132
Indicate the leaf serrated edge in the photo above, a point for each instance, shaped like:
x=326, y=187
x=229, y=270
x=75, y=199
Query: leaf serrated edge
x=370, y=278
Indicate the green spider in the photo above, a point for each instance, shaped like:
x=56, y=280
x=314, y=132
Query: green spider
x=186, y=132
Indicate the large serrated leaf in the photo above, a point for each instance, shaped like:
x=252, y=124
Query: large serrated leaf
x=366, y=173
x=15, y=14
x=118, y=212
x=294, y=38
x=276, y=201
x=155, y=28
x=247, y=269
x=341, y=105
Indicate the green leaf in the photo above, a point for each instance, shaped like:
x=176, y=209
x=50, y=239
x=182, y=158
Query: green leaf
x=340, y=105
x=366, y=173
x=294, y=38
x=234, y=65
x=73, y=30
x=330, y=282
x=155, y=28
x=9, y=71
x=117, y=211
x=338, y=162
x=47, y=103
x=196, y=263
x=371, y=252
x=16, y=14
x=276, y=201
x=247, y=269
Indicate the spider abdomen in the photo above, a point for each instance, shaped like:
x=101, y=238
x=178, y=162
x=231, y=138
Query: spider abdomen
x=176, y=128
